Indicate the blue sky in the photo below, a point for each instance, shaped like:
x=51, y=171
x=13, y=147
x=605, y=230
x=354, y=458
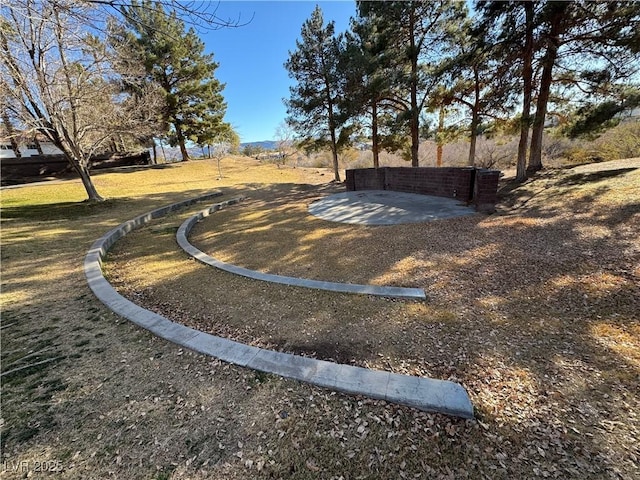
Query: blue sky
x=252, y=58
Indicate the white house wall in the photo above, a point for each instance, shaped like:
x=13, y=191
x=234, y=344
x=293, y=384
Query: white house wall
x=47, y=149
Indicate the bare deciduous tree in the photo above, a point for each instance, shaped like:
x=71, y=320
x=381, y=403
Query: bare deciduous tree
x=227, y=143
x=56, y=76
x=56, y=80
x=285, y=144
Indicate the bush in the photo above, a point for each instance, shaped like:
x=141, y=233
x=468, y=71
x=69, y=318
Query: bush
x=621, y=142
x=580, y=155
x=499, y=151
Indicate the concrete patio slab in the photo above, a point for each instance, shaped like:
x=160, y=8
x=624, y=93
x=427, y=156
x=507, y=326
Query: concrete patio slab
x=385, y=207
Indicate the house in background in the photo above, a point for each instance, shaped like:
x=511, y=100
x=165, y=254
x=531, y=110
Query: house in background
x=26, y=158
x=24, y=146
x=630, y=115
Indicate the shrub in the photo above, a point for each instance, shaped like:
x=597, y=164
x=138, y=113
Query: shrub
x=581, y=155
x=621, y=142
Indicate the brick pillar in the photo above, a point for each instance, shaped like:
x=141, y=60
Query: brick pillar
x=485, y=191
x=350, y=180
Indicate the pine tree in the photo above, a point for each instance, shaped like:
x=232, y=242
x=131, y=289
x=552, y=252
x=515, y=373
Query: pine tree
x=313, y=104
x=592, y=119
x=415, y=33
x=516, y=30
x=174, y=59
x=371, y=99
x=566, y=42
x=473, y=83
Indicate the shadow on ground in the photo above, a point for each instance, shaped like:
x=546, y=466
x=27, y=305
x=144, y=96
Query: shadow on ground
x=534, y=311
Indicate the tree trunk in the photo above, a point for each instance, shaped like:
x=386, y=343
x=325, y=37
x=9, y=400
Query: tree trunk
x=527, y=81
x=553, y=43
x=332, y=132
x=473, y=140
x=415, y=114
x=37, y=144
x=15, y=147
x=11, y=133
x=475, y=120
x=181, y=142
x=80, y=167
x=374, y=135
x=334, y=152
x=521, y=165
x=415, y=140
x=155, y=154
x=440, y=141
x=535, y=152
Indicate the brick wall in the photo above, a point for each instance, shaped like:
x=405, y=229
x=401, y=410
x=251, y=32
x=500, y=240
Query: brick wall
x=366, y=179
x=486, y=190
x=467, y=184
x=441, y=182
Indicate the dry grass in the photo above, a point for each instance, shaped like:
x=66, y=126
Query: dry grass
x=534, y=310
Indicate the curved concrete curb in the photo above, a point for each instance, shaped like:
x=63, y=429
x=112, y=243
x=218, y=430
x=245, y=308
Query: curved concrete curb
x=382, y=291
x=422, y=393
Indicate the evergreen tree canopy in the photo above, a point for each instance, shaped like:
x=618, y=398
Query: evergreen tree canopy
x=370, y=96
x=313, y=104
x=592, y=119
x=407, y=60
x=414, y=34
x=573, y=51
x=174, y=59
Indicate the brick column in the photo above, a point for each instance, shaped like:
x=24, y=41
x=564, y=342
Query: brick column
x=486, y=190
x=350, y=180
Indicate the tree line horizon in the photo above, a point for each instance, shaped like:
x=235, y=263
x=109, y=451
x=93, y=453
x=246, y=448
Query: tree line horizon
x=84, y=74
x=402, y=67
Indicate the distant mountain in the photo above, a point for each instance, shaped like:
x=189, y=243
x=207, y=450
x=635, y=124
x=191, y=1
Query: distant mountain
x=265, y=144
x=173, y=154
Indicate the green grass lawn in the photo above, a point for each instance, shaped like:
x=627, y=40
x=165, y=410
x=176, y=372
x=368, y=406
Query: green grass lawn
x=534, y=310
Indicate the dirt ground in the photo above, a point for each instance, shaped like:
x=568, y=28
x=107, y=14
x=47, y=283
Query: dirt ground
x=533, y=310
